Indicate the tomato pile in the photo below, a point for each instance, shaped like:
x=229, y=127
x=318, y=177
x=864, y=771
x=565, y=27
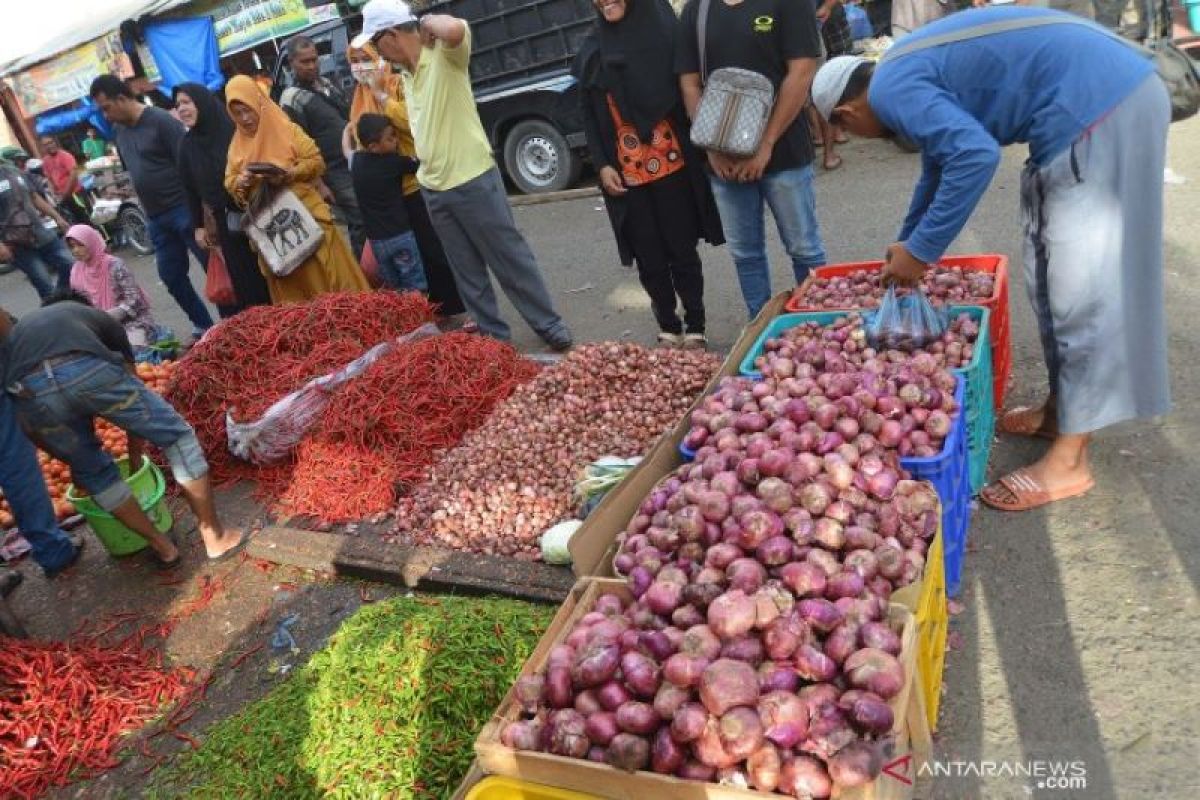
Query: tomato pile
x=58, y=475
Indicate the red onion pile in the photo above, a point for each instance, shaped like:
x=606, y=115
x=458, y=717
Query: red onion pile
x=851, y=412
x=765, y=690
x=511, y=478
x=846, y=338
x=862, y=289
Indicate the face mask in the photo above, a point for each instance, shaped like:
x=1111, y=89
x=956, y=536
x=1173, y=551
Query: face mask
x=365, y=72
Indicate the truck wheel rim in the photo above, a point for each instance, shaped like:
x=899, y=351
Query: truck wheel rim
x=538, y=160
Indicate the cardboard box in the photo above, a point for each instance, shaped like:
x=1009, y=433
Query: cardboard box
x=911, y=734
x=592, y=545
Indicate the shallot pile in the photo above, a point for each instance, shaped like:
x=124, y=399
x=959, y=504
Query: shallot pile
x=760, y=690
x=943, y=285
x=846, y=338
x=512, y=477
x=850, y=412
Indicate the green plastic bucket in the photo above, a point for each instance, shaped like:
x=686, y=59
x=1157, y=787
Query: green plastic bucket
x=149, y=487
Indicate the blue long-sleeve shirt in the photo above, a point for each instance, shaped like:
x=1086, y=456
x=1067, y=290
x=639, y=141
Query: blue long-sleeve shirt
x=960, y=102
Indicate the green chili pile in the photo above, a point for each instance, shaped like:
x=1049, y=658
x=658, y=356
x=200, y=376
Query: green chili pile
x=390, y=708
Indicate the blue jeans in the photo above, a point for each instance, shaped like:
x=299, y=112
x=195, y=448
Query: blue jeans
x=400, y=265
x=21, y=481
x=57, y=406
x=173, y=236
x=41, y=263
x=790, y=195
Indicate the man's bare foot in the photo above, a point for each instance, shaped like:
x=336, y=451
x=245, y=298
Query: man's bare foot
x=165, y=549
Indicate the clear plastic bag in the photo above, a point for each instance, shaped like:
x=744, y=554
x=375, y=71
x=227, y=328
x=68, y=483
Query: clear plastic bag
x=288, y=420
x=905, y=322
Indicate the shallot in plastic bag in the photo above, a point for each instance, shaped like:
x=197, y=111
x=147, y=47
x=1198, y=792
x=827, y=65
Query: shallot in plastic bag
x=904, y=322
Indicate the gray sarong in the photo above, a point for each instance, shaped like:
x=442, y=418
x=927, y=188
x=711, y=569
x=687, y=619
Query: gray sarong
x=1094, y=265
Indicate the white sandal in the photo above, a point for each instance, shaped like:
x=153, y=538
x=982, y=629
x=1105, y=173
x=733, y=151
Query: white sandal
x=669, y=340
x=695, y=341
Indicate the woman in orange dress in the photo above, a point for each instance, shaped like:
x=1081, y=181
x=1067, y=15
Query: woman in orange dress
x=265, y=135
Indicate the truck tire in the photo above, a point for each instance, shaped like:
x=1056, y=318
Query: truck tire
x=538, y=159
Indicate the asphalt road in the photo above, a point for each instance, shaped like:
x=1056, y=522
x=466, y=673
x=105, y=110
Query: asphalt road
x=1079, y=624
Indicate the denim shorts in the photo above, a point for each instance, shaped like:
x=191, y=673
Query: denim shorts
x=57, y=406
x=400, y=265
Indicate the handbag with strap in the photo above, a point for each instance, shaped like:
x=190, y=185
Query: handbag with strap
x=1175, y=68
x=283, y=231
x=735, y=107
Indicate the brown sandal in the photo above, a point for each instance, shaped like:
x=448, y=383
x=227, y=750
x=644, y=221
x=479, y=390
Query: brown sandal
x=1022, y=421
x=1020, y=491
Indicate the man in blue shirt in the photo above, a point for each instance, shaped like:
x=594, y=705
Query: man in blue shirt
x=1095, y=118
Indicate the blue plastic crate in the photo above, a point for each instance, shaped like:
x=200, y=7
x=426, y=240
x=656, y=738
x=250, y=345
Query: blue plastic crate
x=949, y=473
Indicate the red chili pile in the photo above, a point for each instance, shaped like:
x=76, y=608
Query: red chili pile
x=387, y=426
x=511, y=478
x=250, y=361
x=65, y=707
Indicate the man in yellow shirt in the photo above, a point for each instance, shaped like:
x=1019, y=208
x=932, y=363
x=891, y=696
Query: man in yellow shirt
x=458, y=176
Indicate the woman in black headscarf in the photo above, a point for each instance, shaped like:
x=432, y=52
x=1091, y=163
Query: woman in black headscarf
x=657, y=194
x=202, y=166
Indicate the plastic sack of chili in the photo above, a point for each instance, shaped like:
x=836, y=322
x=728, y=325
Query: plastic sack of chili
x=905, y=322
x=289, y=419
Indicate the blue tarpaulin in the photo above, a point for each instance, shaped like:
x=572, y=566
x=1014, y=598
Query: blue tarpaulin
x=185, y=50
x=56, y=121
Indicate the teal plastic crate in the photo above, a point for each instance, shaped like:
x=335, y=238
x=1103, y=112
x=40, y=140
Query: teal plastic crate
x=981, y=409
x=977, y=375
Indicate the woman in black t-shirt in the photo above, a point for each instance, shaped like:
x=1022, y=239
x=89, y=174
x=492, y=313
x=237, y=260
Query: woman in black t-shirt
x=658, y=197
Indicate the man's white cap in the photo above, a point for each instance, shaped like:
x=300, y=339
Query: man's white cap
x=379, y=15
x=830, y=81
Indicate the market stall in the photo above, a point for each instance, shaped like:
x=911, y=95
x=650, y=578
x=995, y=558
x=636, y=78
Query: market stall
x=772, y=552
x=765, y=550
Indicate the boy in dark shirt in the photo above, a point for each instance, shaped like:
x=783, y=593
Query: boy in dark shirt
x=378, y=171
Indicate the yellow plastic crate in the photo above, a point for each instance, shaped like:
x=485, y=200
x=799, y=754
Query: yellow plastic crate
x=927, y=600
x=498, y=788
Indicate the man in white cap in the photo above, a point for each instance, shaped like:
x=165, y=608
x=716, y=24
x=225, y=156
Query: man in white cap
x=458, y=176
x=1095, y=117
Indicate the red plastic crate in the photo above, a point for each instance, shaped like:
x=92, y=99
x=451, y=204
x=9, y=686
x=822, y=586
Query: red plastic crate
x=998, y=304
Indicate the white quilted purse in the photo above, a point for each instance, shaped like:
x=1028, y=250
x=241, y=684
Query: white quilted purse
x=735, y=106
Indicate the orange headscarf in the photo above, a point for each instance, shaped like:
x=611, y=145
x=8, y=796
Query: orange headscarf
x=364, y=100
x=272, y=142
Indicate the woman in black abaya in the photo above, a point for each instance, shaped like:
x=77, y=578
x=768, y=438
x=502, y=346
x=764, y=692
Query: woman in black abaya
x=202, y=158
x=657, y=194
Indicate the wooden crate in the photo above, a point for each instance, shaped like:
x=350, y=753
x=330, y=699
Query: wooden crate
x=910, y=734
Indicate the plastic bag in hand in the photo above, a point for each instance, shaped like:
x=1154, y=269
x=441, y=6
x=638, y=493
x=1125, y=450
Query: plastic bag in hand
x=905, y=322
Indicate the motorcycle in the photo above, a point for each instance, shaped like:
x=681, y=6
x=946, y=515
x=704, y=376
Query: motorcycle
x=115, y=210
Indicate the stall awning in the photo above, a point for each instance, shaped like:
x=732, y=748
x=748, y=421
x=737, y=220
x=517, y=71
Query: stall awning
x=68, y=28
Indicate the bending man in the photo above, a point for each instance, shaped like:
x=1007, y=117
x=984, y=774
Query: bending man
x=1095, y=117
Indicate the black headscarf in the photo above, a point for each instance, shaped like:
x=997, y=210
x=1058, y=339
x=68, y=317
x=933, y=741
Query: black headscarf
x=207, y=143
x=634, y=61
